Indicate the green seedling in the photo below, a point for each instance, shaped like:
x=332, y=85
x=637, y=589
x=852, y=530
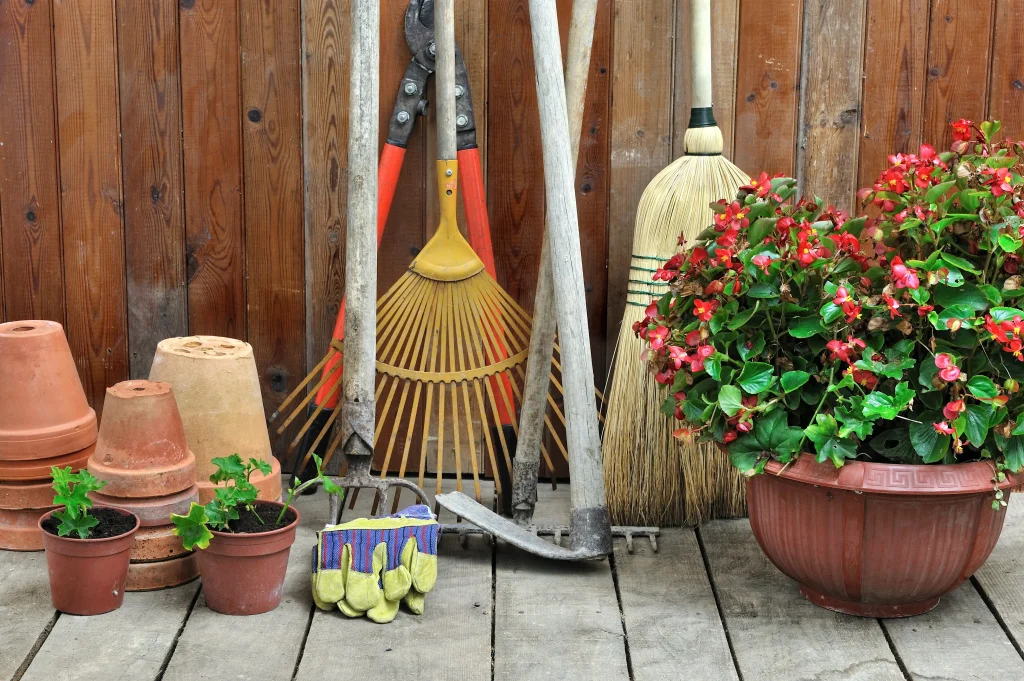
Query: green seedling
x=72, y=492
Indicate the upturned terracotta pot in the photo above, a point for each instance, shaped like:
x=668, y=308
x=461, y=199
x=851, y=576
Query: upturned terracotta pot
x=87, y=576
x=35, y=470
x=154, y=511
x=876, y=539
x=154, y=544
x=162, y=574
x=217, y=388
x=141, y=450
x=19, y=528
x=18, y=495
x=243, y=574
x=43, y=410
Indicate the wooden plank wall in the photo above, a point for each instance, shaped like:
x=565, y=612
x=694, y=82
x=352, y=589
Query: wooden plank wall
x=179, y=167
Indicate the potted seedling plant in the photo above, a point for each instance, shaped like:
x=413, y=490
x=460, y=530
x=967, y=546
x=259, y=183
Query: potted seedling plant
x=863, y=372
x=87, y=548
x=244, y=542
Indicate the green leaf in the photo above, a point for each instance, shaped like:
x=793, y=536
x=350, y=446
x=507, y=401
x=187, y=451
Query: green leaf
x=228, y=468
x=894, y=445
x=968, y=295
x=822, y=430
x=332, y=488
x=745, y=452
x=717, y=321
x=761, y=228
x=837, y=450
x=982, y=387
x=260, y=465
x=830, y=312
x=1008, y=243
x=742, y=318
x=960, y=263
x=776, y=435
x=791, y=380
x=192, y=528
x=851, y=422
x=74, y=524
x=763, y=289
x=755, y=377
x=1013, y=450
x=979, y=417
x=992, y=293
x=936, y=192
x=713, y=366
x=805, y=327
x=1004, y=314
x=929, y=444
x=854, y=226
x=730, y=399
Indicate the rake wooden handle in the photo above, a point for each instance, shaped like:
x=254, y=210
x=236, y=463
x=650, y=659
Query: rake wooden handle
x=589, y=511
x=358, y=407
x=542, y=337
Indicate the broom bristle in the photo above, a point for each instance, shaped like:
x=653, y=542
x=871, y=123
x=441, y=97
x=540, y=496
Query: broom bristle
x=650, y=476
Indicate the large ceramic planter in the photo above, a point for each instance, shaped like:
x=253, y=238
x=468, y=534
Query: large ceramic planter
x=243, y=574
x=875, y=539
x=217, y=388
x=43, y=410
x=87, y=576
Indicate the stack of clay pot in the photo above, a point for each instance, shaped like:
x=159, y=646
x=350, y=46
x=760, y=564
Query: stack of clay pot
x=45, y=421
x=143, y=458
x=218, y=392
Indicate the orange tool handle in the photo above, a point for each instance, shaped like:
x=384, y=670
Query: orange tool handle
x=387, y=180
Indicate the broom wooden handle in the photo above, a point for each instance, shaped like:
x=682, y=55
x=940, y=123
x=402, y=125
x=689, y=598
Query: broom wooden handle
x=589, y=512
x=700, y=46
x=542, y=337
x=444, y=41
x=358, y=405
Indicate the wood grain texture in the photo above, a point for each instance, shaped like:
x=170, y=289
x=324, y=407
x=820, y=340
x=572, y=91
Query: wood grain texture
x=25, y=608
x=724, y=42
x=999, y=577
x=895, y=69
x=128, y=643
x=1006, y=98
x=931, y=645
x=407, y=221
x=959, y=54
x=150, y=91
x=30, y=241
x=515, y=197
x=593, y=184
x=325, y=78
x=91, y=203
x=652, y=587
x=274, y=230
x=211, y=122
x=222, y=658
x=761, y=604
x=641, y=129
x=767, y=80
x=831, y=101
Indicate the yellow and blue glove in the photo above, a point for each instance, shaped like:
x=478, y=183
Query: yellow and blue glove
x=368, y=566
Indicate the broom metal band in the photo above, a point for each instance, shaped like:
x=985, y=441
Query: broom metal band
x=702, y=117
x=454, y=376
x=702, y=153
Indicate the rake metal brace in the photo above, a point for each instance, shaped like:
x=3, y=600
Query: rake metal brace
x=359, y=476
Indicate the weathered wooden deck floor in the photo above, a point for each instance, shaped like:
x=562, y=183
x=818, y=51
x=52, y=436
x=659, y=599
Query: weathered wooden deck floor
x=707, y=606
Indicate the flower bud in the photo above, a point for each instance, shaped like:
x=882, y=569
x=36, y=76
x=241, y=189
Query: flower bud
x=1011, y=385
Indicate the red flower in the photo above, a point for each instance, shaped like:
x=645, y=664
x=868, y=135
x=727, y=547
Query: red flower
x=962, y=130
x=664, y=275
x=704, y=310
x=903, y=276
x=842, y=295
x=943, y=428
x=893, y=304
x=864, y=378
x=949, y=374
x=697, y=256
x=923, y=310
x=734, y=216
x=852, y=311
x=944, y=360
x=729, y=436
x=999, y=180
x=714, y=288
x=761, y=186
x=845, y=351
x=657, y=337
x=763, y=261
x=694, y=337
x=953, y=409
x=675, y=356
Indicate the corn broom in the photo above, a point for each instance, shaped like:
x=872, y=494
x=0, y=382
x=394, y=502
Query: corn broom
x=650, y=477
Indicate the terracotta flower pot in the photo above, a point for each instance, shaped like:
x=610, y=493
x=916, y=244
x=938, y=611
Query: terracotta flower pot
x=35, y=470
x=243, y=574
x=162, y=574
x=154, y=511
x=217, y=389
x=141, y=451
x=154, y=544
x=18, y=495
x=19, y=528
x=87, y=576
x=876, y=539
x=43, y=410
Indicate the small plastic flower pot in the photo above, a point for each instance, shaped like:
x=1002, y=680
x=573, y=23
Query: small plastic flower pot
x=141, y=451
x=217, y=388
x=87, y=576
x=43, y=410
x=243, y=574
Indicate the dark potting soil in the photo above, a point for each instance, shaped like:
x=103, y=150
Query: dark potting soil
x=112, y=524
x=250, y=523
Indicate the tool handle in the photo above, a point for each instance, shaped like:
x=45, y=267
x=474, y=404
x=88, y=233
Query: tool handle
x=474, y=200
x=700, y=45
x=444, y=41
x=387, y=181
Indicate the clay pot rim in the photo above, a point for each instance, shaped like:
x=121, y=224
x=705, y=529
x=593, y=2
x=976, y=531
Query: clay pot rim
x=257, y=537
x=870, y=477
x=177, y=346
x=91, y=542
